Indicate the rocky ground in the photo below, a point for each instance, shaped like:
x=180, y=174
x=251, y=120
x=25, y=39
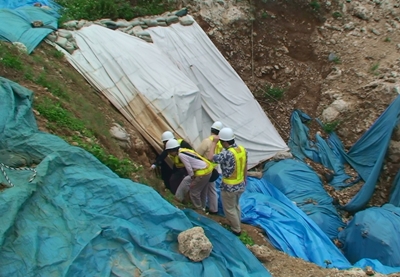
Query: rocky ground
x=335, y=60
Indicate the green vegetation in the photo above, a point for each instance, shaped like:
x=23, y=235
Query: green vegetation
x=330, y=127
x=336, y=15
x=264, y=15
x=315, y=5
x=9, y=60
x=337, y=60
x=246, y=239
x=113, y=9
x=374, y=69
x=275, y=93
x=60, y=118
x=388, y=39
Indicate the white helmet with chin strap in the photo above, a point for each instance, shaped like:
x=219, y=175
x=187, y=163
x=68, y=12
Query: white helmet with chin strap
x=217, y=125
x=172, y=144
x=226, y=134
x=167, y=135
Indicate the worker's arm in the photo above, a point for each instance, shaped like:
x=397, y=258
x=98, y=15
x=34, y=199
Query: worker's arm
x=210, y=155
x=159, y=159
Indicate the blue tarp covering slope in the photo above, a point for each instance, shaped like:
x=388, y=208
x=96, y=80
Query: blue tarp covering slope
x=16, y=25
x=366, y=156
x=395, y=192
x=78, y=218
x=302, y=185
x=13, y=4
x=288, y=228
x=374, y=234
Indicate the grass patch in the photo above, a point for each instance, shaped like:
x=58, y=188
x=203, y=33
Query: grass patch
x=388, y=39
x=53, y=86
x=374, y=69
x=11, y=61
x=315, y=5
x=337, y=60
x=275, y=93
x=330, y=127
x=59, y=118
x=336, y=15
x=246, y=239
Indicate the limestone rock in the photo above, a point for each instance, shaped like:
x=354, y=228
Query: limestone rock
x=262, y=253
x=194, y=244
x=330, y=114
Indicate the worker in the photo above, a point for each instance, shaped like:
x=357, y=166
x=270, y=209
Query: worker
x=233, y=162
x=199, y=171
x=171, y=177
x=203, y=150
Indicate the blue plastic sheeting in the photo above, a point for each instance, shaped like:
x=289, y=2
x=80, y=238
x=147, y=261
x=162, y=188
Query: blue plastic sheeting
x=302, y=185
x=78, y=218
x=288, y=228
x=16, y=25
x=377, y=266
x=319, y=151
x=367, y=155
x=395, y=193
x=13, y=4
x=374, y=234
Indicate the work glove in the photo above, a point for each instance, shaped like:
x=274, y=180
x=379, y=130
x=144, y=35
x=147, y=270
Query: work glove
x=152, y=166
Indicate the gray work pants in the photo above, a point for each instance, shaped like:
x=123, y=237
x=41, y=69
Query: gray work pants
x=230, y=204
x=212, y=197
x=197, y=188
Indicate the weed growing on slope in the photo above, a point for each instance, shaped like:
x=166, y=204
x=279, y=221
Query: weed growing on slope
x=9, y=60
x=60, y=118
x=330, y=127
x=274, y=93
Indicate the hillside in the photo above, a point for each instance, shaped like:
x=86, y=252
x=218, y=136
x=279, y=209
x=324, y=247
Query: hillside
x=335, y=60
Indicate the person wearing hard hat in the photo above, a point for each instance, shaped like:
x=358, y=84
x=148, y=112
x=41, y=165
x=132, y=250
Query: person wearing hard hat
x=171, y=177
x=203, y=150
x=199, y=171
x=233, y=162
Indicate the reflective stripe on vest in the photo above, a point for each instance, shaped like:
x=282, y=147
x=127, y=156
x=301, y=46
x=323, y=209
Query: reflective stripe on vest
x=199, y=172
x=175, y=159
x=218, y=146
x=239, y=153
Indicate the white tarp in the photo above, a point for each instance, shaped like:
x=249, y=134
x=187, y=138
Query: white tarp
x=181, y=82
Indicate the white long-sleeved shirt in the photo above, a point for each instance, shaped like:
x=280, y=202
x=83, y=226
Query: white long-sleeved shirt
x=191, y=164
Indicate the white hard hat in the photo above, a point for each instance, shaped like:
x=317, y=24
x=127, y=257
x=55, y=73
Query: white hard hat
x=167, y=135
x=171, y=144
x=217, y=125
x=226, y=134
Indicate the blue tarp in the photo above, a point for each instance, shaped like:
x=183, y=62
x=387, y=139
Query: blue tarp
x=301, y=184
x=288, y=228
x=13, y=4
x=16, y=25
x=374, y=233
x=395, y=192
x=366, y=156
x=78, y=218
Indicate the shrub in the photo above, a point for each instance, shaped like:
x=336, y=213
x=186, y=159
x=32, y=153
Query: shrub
x=330, y=127
x=275, y=93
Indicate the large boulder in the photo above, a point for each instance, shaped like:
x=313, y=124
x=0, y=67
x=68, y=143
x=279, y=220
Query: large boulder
x=194, y=244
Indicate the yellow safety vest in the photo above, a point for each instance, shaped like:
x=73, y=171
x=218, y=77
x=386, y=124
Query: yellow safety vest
x=218, y=146
x=237, y=176
x=175, y=159
x=199, y=172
